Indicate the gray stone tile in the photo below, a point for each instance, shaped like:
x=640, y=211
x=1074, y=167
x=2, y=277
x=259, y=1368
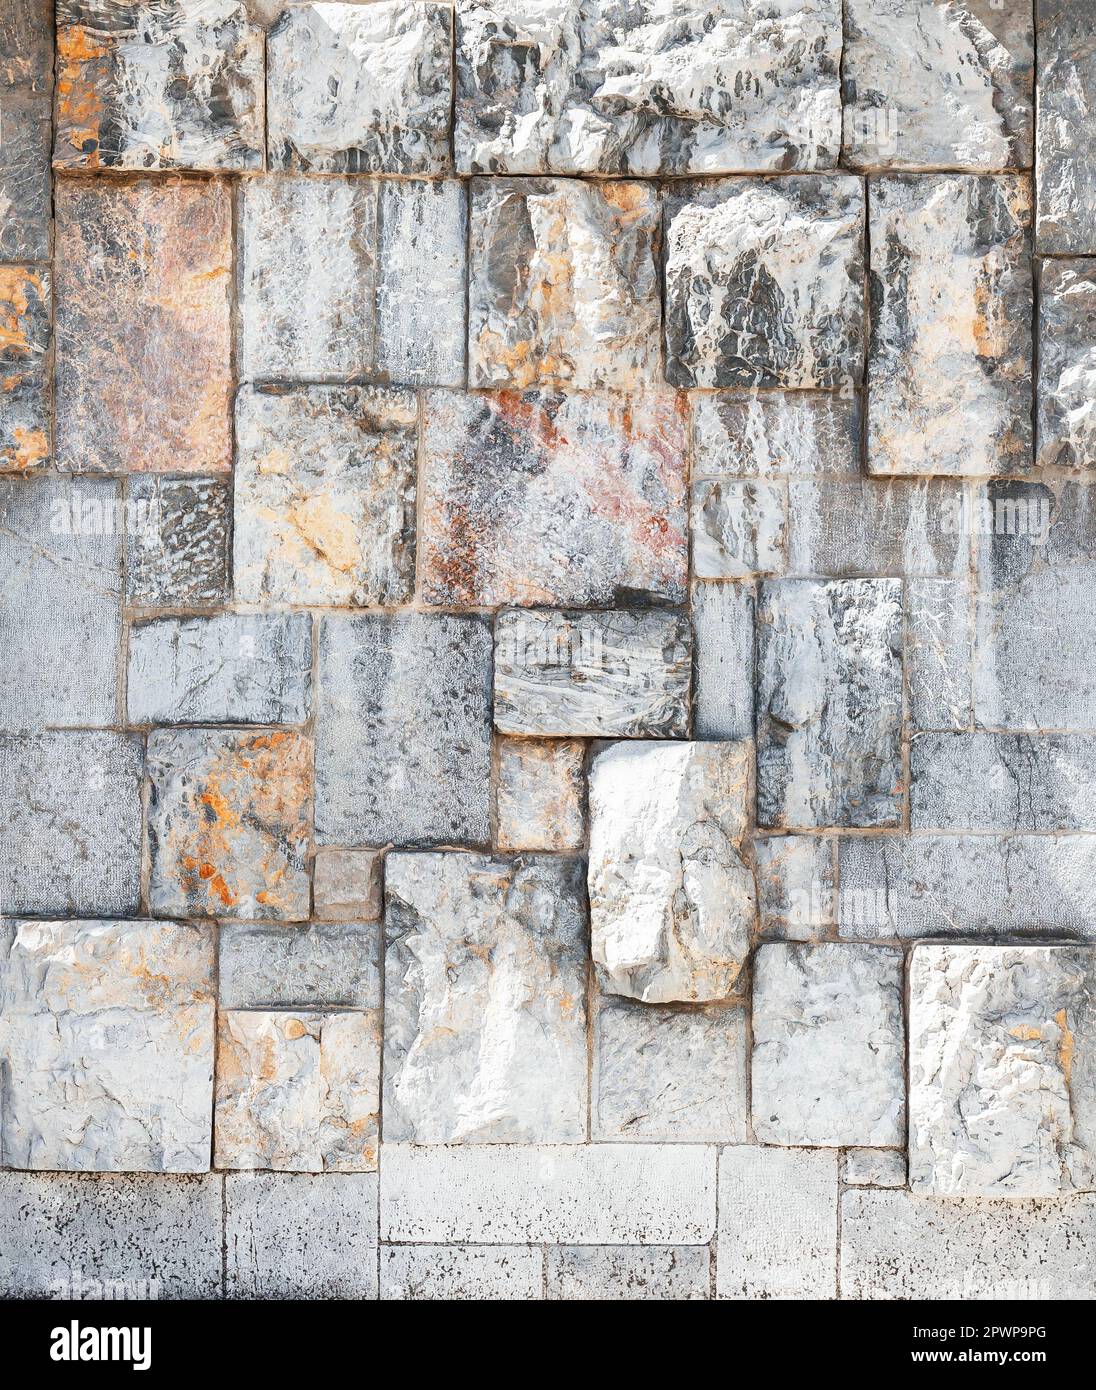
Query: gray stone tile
x=472, y=1273
x=723, y=656
x=177, y=541
x=739, y=527
x=627, y=1273
x=347, y=885
x=765, y=434
x=939, y=649
x=796, y=886
x=26, y=43
x=874, y=1168
x=325, y=966
x=1065, y=432
x=1066, y=126
x=25, y=191
x=540, y=795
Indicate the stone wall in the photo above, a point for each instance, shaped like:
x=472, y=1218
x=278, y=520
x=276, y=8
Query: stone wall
x=548, y=715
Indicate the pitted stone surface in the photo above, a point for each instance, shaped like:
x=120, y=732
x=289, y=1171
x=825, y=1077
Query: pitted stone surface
x=25, y=192
x=485, y=985
x=723, y=660
x=470, y=1273
x=177, y=541
x=551, y=86
x=939, y=645
x=1066, y=80
x=627, y=1273
x=107, y=1035
x=759, y=434
x=739, y=528
x=540, y=795
x=324, y=966
x=357, y=89
x=874, y=1168
x=1065, y=423
x=672, y=903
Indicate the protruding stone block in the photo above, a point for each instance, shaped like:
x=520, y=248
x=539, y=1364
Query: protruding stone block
x=541, y=793
x=177, y=541
x=1065, y=423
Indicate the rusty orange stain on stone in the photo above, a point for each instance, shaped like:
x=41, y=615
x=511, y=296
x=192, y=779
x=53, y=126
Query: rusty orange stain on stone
x=79, y=105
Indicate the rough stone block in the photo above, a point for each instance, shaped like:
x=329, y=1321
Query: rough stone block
x=297, y=1236
x=24, y=364
x=765, y=282
x=752, y=434
x=597, y=675
x=930, y=84
x=828, y=1045
x=722, y=87
x=70, y=816
x=347, y=885
x=247, y=668
x=874, y=1168
x=25, y=193
x=541, y=793
x=151, y=86
x=298, y=1092
x=1066, y=127
x=108, y=1040
x=627, y=1273
x=228, y=823
x=796, y=886
x=739, y=528
x=472, y=1273
x=156, y=257
x=382, y=777
x=939, y=644
x=570, y=1194
x=485, y=988
x=829, y=703
x=326, y=966
x=1065, y=422
x=669, y=1073
x=723, y=659
x=26, y=44
x=177, y=541
x=325, y=495
x=356, y=89
x=564, y=284
x=777, y=1224
x=61, y=575
x=509, y=514
x=949, y=362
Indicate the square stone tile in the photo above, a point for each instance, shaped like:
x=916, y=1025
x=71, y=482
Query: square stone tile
x=485, y=1000
x=1066, y=127
x=1065, y=423
x=325, y=495
x=403, y=730
x=177, y=541
x=156, y=258
x=108, y=1030
x=348, y=885
x=25, y=192
x=297, y=1092
x=796, y=886
x=228, y=823
x=540, y=796
x=739, y=528
x=24, y=366
x=765, y=282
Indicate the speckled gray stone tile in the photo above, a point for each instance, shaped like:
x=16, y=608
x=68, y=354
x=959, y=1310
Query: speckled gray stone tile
x=325, y=966
x=24, y=364
x=177, y=541
x=1065, y=426
x=1066, y=127
x=627, y=1273
x=472, y=1273
x=723, y=657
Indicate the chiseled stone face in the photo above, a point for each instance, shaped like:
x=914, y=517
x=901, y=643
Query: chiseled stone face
x=177, y=541
x=325, y=495
x=828, y=1045
x=934, y=84
x=1066, y=128
x=829, y=703
x=485, y=1000
x=155, y=259
x=796, y=886
x=672, y=903
x=25, y=193
x=510, y=512
x=1065, y=422
x=765, y=282
x=1002, y=1070
x=763, y=434
x=229, y=821
x=298, y=1092
x=564, y=284
x=326, y=965
x=739, y=528
x=719, y=86
x=541, y=793
x=24, y=376
x=107, y=1031
x=356, y=89
x=949, y=366
x=623, y=674
x=151, y=86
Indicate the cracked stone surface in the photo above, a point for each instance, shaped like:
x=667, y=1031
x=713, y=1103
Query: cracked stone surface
x=671, y=901
x=177, y=541
x=24, y=170
x=485, y=1000
x=1002, y=1100
x=739, y=528
x=540, y=794
x=1065, y=425
x=107, y=1033
x=1066, y=79
x=24, y=349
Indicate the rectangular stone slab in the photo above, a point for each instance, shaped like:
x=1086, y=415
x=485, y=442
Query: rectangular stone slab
x=627, y=1273
x=324, y=966
x=1066, y=127
x=1065, y=433
x=25, y=192
x=466, y=1272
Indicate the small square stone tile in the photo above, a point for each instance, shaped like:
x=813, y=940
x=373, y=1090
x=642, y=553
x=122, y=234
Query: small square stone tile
x=357, y=89
x=156, y=257
x=26, y=43
x=348, y=885
x=324, y=966
x=723, y=658
x=469, y=1273
x=1065, y=426
x=765, y=282
x=796, y=886
x=509, y=514
x=628, y=1273
x=739, y=528
x=297, y=1092
x=108, y=1030
x=25, y=192
x=149, y=86
x=177, y=541
x=228, y=823
x=70, y=816
x=403, y=730
x=768, y=434
x=541, y=793
x=24, y=365
x=325, y=495
x=564, y=284
x=1066, y=127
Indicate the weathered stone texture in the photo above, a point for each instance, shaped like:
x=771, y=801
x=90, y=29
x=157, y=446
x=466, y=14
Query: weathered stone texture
x=177, y=541
x=26, y=44
x=1065, y=422
x=347, y=885
x=154, y=258
x=382, y=776
x=298, y=1092
x=236, y=668
x=796, y=886
x=107, y=1036
x=949, y=363
x=25, y=194
x=359, y=89
x=672, y=903
x=764, y=282
x=623, y=674
x=933, y=84
x=939, y=643
x=485, y=1016
x=874, y=1168
x=152, y=86
x=469, y=1273
x=829, y=703
x=627, y=1273
x=228, y=823
x=540, y=794
x=759, y=434
x=325, y=495
x=325, y=966
x=724, y=87
x=828, y=1045
x=1066, y=127
x=553, y=499
x=739, y=528
x=723, y=656
x=564, y=284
